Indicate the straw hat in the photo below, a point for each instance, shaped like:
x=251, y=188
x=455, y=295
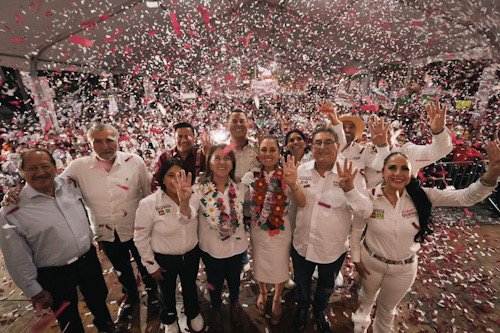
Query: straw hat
x=359, y=124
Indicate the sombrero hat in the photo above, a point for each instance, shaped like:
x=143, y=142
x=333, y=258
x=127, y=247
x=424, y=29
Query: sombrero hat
x=359, y=124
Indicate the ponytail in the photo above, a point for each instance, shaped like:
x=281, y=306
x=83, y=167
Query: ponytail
x=424, y=210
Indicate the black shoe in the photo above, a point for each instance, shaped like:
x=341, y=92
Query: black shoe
x=127, y=311
x=322, y=322
x=235, y=314
x=300, y=320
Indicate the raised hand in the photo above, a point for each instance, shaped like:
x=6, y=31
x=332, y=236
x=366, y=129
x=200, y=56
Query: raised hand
x=346, y=176
x=289, y=170
x=327, y=107
x=493, y=172
x=378, y=129
x=182, y=184
x=362, y=270
x=206, y=142
x=11, y=197
x=437, y=116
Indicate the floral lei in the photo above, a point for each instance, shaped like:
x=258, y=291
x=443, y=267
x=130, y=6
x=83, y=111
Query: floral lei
x=269, y=202
x=215, y=211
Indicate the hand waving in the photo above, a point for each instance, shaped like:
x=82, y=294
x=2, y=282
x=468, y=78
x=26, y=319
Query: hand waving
x=346, y=176
x=289, y=170
x=378, y=129
x=206, y=142
x=182, y=184
x=437, y=116
x=493, y=172
x=328, y=108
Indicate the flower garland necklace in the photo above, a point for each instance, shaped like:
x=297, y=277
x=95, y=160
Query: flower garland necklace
x=215, y=211
x=269, y=202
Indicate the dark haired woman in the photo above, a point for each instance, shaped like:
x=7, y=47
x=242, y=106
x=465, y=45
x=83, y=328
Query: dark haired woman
x=296, y=145
x=386, y=258
x=217, y=201
x=270, y=189
x=168, y=247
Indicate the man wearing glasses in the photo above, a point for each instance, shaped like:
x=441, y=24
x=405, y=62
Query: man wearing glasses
x=323, y=225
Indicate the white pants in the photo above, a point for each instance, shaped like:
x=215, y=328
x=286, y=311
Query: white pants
x=386, y=284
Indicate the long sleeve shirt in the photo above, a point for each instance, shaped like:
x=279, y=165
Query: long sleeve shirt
x=112, y=197
x=323, y=225
x=419, y=155
x=43, y=231
x=158, y=229
x=209, y=239
x=391, y=230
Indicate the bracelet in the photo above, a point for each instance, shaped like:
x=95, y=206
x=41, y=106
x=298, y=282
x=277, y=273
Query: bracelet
x=294, y=187
x=485, y=183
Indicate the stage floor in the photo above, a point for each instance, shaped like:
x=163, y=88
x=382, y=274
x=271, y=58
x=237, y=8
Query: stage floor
x=456, y=289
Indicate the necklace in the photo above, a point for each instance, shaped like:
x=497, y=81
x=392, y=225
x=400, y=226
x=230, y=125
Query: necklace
x=215, y=211
x=269, y=201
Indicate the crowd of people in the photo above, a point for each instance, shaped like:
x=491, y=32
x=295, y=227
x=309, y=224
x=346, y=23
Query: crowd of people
x=289, y=177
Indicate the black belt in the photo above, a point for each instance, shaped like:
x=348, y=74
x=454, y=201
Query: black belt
x=388, y=261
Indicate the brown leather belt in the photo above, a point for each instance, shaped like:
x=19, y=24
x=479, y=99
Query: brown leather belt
x=388, y=261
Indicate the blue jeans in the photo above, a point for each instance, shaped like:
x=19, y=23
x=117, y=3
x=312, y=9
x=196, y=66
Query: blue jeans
x=304, y=269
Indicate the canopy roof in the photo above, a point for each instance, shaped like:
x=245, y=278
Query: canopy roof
x=228, y=38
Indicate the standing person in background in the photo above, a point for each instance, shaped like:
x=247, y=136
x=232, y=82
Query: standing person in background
x=46, y=242
x=192, y=157
x=169, y=248
x=270, y=190
x=217, y=201
x=386, y=258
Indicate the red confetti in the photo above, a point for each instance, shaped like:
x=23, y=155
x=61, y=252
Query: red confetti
x=417, y=23
x=373, y=108
x=81, y=41
x=204, y=15
x=48, y=13
x=12, y=211
x=247, y=39
x=210, y=286
x=109, y=39
x=468, y=212
x=17, y=40
x=103, y=18
x=89, y=24
x=175, y=24
x=44, y=323
x=128, y=158
x=123, y=187
x=228, y=148
x=228, y=78
x=19, y=19
x=347, y=70
x=152, y=33
x=35, y=5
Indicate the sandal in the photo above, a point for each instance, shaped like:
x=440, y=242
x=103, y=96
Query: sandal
x=276, y=311
x=261, y=303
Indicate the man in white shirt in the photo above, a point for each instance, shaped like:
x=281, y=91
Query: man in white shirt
x=112, y=184
x=323, y=225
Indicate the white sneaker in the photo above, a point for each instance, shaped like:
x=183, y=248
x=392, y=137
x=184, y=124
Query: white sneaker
x=197, y=323
x=172, y=328
x=290, y=284
x=339, y=281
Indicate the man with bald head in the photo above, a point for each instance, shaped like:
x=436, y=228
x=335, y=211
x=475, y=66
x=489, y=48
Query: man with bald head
x=46, y=241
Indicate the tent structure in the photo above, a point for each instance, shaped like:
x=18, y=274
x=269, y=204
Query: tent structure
x=228, y=38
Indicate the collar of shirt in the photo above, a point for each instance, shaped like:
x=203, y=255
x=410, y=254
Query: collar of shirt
x=120, y=158
x=311, y=165
x=377, y=192
x=30, y=192
x=175, y=152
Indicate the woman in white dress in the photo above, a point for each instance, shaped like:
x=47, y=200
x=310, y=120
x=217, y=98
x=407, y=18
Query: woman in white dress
x=270, y=189
x=386, y=258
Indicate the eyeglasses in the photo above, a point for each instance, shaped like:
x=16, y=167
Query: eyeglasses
x=320, y=143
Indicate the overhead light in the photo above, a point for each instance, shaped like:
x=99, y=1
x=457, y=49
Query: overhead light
x=152, y=4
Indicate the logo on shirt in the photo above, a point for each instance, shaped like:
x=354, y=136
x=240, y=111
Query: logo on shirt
x=305, y=181
x=409, y=212
x=164, y=210
x=377, y=214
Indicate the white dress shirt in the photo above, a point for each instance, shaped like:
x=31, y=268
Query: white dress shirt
x=419, y=155
x=43, y=231
x=158, y=229
x=112, y=197
x=209, y=239
x=246, y=160
x=322, y=226
x=391, y=230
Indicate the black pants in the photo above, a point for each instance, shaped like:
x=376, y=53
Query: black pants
x=186, y=266
x=61, y=283
x=327, y=273
x=119, y=254
x=218, y=270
